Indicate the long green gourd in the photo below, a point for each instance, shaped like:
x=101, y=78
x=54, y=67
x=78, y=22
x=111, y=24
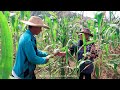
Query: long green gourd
x=6, y=48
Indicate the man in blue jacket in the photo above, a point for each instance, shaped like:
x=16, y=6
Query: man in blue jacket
x=28, y=55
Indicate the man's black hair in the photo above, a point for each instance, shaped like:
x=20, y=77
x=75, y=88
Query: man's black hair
x=29, y=27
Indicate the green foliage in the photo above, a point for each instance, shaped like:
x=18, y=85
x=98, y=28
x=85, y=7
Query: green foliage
x=62, y=34
x=97, y=71
x=99, y=17
x=6, y=48
x=84, y=43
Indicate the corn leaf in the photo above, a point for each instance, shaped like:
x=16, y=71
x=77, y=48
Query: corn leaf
x=7, y=48
x=7, y=14
x=97, y=71
x=84, y=43
x=99, y=17
x=54, y=30
x=106, y=49
x=22, y=15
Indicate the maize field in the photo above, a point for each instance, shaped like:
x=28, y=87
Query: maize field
x=61, y=35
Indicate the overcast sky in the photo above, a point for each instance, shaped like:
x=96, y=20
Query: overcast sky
x=92, y=13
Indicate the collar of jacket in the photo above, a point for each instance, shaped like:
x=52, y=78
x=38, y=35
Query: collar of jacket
x=28, y=31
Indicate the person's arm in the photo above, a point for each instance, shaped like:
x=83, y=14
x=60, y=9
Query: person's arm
x=41, y=53
x=80, y=43
x=31, y=54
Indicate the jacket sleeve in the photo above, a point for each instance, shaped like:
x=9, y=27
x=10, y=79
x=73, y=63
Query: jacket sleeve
x=41, y=53
x=31, y=54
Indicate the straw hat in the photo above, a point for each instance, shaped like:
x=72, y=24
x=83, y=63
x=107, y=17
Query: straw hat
x=35, y=21
x=86, y=31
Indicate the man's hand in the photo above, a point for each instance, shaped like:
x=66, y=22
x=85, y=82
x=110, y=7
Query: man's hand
x=48, y=57
x=61, y=54
x=58, y=53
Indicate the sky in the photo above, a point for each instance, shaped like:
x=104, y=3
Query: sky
x=92, y=13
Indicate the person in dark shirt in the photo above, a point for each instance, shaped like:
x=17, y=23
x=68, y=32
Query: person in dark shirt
x=87, y=67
